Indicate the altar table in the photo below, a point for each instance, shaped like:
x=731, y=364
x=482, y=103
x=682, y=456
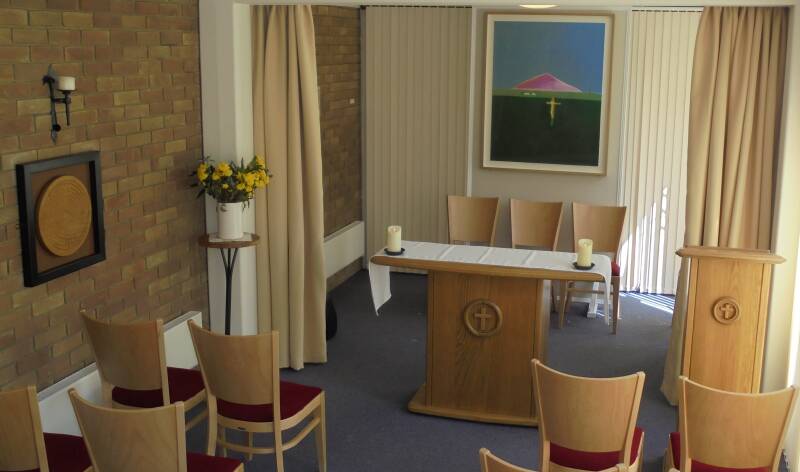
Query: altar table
x=488, y=316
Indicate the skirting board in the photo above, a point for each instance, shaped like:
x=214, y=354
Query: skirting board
x=343, y=247
x=54, y=405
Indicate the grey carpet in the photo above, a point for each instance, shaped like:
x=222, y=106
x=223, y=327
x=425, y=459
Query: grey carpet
x=375, y=364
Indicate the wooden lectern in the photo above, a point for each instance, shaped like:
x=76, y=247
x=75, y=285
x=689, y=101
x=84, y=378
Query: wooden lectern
x=726, y=316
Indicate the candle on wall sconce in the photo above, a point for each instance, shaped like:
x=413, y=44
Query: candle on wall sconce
x=64, y=84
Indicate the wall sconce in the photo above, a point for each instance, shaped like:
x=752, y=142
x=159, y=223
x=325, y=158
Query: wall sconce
x=66, y=85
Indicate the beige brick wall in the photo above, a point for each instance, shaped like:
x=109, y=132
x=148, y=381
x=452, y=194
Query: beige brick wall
x=338, y=42
x=138, y=102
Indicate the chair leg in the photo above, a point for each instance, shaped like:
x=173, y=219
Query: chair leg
x=553, y=288
x=250, y=443
x=278, y=447
x=615, y=297
x=211, y=447
x=320, y=436
x=564, y=304
x=222, y=437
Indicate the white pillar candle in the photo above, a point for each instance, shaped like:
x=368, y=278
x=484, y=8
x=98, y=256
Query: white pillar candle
x=393, y=238
x=584, y=252
x=66, y=83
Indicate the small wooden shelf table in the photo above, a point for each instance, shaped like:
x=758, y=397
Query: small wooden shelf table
x=228, y=250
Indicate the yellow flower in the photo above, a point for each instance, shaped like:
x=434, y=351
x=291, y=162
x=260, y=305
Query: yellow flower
x=260, y=161
x=240, y=186
x=225, y=186
x=225, y=169
x=202, y=172
x=250, y=179
x=215, y=176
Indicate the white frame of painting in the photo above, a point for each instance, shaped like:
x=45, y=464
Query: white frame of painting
x=600, y=168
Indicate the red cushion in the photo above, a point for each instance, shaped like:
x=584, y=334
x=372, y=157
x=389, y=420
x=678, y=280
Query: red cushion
x=66, y=453
x=615, y=271
x=183, y=385
x=566, y=457
x=675, y=442
x=203, y=463
x=294, y=397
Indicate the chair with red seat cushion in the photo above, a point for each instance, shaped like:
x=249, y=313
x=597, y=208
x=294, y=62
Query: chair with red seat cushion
x=133, y=370
x=25, y=448
x=135, y=440
x=588, y=423
x=245, y=392
x=728, y=432
x=603, y=225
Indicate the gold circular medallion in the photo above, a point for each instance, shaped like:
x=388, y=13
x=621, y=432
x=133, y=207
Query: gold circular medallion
x=483, y=318
x=726, y=310
x=64, y=215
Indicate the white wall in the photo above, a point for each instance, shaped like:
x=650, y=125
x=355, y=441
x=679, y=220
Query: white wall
x=226, y=83
x=540, y=186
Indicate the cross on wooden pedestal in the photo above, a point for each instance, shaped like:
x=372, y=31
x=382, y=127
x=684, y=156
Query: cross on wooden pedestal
x=482, y=316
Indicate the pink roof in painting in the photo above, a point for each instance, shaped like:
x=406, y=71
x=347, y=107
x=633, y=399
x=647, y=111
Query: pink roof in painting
x=547, y=82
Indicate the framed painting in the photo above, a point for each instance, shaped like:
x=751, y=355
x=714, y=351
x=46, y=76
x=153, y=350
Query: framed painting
x=547, y=92
x=61, y=216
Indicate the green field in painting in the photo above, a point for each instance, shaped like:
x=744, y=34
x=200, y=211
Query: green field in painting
x=522, y=131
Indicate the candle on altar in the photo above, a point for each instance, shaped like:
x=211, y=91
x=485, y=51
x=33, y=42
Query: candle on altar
x=393, y=238
x=66, y=83
x=584, y=252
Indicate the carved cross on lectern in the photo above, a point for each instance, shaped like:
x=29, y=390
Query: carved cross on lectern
x=481, y=312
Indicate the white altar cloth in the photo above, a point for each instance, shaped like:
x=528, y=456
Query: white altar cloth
x=490, y=256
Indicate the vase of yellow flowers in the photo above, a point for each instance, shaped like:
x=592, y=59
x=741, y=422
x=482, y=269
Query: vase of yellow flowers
x=232, y=185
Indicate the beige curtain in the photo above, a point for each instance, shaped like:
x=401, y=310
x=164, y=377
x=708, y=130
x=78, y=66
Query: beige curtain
x=289, y=218
x=736, y=99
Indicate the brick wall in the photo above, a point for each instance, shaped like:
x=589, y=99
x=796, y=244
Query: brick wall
x=138, y=102
x=338, y=42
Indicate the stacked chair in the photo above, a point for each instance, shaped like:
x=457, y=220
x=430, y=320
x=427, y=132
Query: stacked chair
x=472, y=219
x=151, y=439
x=23, y=445
x=723, y=431
x=245, y=392
x=133, y=368
x=142, y=425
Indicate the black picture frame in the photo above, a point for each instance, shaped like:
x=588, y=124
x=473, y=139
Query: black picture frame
x=27, y=216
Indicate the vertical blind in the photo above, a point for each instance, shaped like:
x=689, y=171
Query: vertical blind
x=415, y=124
x=654, y=146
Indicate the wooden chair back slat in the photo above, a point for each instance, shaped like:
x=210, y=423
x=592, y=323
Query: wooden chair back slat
x=21, y=437
x=736, y=430
x=587, y=414
x=535, y=224
x=129, y=355
x=472, y=219
x=492, y=463
x=602, y=224
x=239, y=369
x=121, y=440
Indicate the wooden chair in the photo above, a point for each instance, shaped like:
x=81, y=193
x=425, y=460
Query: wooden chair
x=245, y=392
x=472, y=219
x=535, y=224
x=23, y=445
x=492, y=463
x=133, y=368
x=603, y=225
x=587, y=423
x=722, y=430
x=150, y=440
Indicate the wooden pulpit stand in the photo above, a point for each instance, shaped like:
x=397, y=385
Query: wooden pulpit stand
x=726, y=316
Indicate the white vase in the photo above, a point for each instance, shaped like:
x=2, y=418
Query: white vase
x=229, y=220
